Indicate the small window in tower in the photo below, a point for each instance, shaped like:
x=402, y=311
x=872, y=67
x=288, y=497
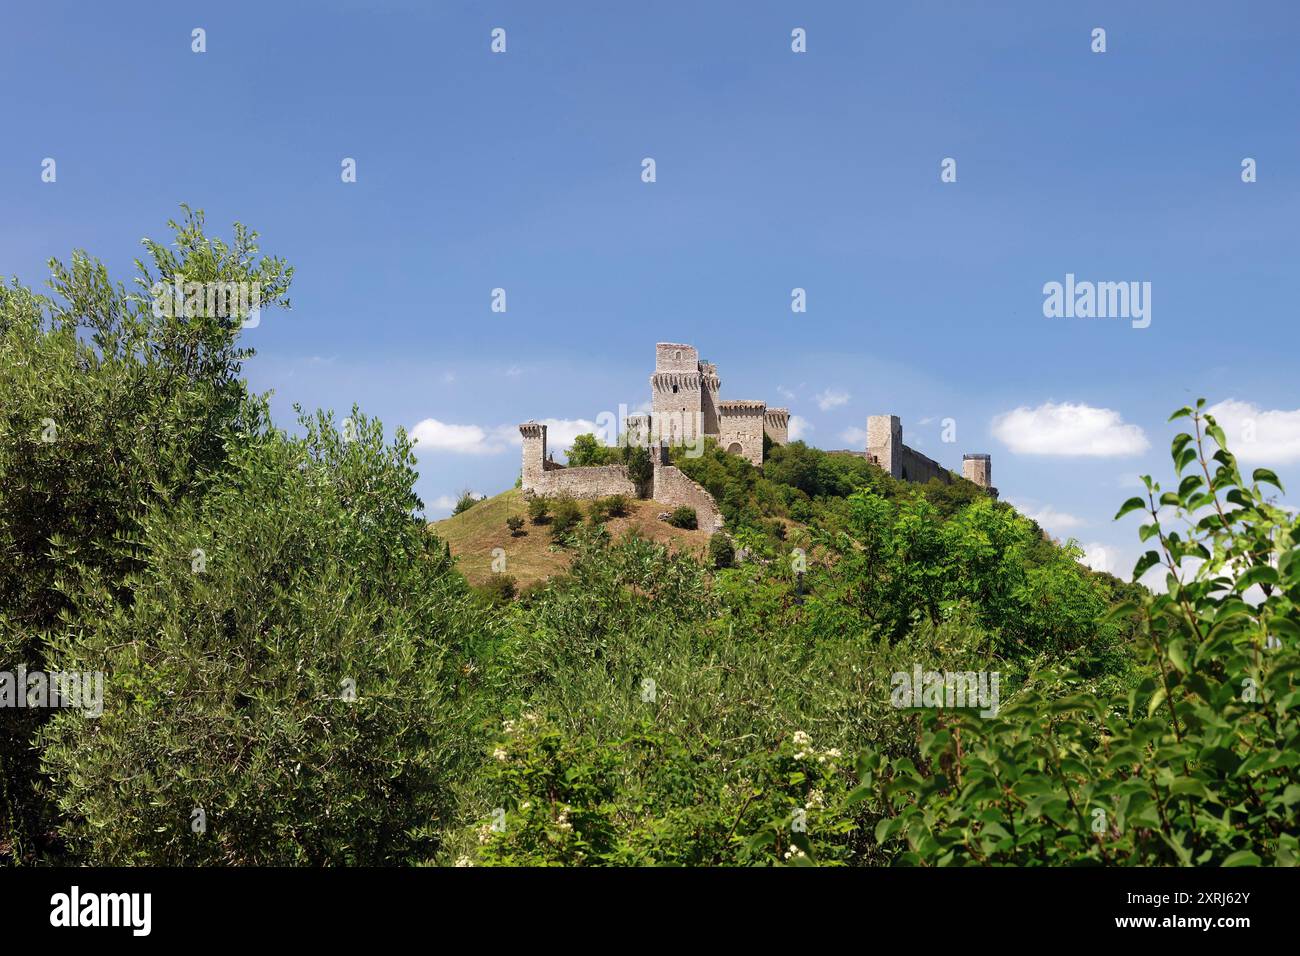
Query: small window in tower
x=677, y=356
x=674, y=389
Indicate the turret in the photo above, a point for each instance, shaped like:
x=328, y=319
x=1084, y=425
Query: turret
x=534, y=435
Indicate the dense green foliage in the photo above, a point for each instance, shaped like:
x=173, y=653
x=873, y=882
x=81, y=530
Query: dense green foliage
x=722, y=553
x=295, y=672
x=683, y=516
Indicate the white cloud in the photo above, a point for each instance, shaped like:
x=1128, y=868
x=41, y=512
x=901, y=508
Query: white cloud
x=433, y=435
x=444, y=503
x=1068, y=429
x=1101, y=557
x=785, y=393
x=1046, y=516
x=560, y=432
x=799, y=427
x=855, y=437
x=1256, y=435
x=832, y=398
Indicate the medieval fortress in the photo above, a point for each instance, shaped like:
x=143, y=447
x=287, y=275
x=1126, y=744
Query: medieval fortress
x=685, y=409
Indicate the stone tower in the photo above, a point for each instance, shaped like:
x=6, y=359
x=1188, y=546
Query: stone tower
x=709, y=386
x=534, y=435
x=885, y=443
x=742, y=429
x=677, y=393
x=776, y=425
x=977, y=468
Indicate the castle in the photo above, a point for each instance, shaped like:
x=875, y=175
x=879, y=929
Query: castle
x=685, y=408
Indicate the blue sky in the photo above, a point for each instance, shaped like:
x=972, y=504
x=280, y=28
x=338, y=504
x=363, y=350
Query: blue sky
x=775, y=170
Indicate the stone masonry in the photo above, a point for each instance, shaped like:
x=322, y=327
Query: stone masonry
x=670, y=486
x=685, y=407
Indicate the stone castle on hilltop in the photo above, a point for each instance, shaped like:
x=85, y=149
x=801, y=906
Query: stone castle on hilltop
x=685, y=406
x=686, y=409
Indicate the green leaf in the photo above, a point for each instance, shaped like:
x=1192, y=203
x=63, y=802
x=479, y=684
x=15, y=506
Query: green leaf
x=1242, y=858
x=1133, y=504
x=1145, y=564
x=1156, y=700
x=1177, y=654
x=1266, y=476
x=1259, y=574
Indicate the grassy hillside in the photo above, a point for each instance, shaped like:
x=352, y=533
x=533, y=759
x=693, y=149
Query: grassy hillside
x=472, y=535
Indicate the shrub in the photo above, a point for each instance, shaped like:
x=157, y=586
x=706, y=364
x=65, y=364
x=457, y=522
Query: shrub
x=539, y=510
x=565, y=516
x=465, y=502
x=683, y=517
x=602, y=509
x=500, y=589
x=516, y=524
x=722, y=553
x=640, y=468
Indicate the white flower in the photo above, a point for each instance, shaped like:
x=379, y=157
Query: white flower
x=508, y=726
x=801, y=739
x=464, y=861
x=485, y=833
x=500, y=754
x=816, y=800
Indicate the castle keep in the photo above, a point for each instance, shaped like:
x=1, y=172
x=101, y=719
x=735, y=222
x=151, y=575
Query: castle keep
x=685, y=408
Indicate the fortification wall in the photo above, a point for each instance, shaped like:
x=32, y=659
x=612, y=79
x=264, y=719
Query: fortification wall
x=595, y=482
x=673, y=488
x=776, y=425
x=917, y=467
x=742, y=429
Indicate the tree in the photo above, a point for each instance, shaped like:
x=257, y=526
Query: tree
x=109, y=410
x=587, y=451
x=283, y=700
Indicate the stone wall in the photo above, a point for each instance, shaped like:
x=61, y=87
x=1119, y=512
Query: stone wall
x=917, y=467
x=673, y=488
x=742, y=429
x=596, y=482
x=885, y=447
x=776, y=425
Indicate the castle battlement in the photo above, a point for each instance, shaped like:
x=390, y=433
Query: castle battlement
x=686, y=408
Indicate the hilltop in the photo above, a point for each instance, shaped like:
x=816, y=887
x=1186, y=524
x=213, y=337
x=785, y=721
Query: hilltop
x=474, y=533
